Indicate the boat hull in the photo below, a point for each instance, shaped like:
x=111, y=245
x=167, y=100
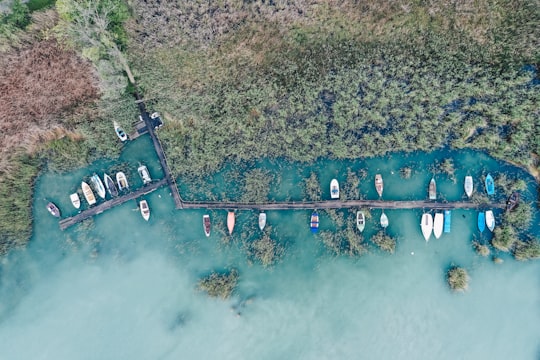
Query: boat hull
x=109, y=184
x=314, y=222
x=447, y=221
x=121, y=180
x=334, y=189
x=432, y=191
x=384, y=220
x=262, y=221
x=481, y=221
x=120, y=132
x=360, y=221
x=490, y=220
x=206, y=225
x=75, y=200
x=230, y=221
x=468, y=186
x=379, y=185
x=490, y=185
x=53, y=209
x=438, y=223
x=145, y=210
x=144, y=174
x=98, y=186
x=512, y=201
x=426, y=225
x=88, y=193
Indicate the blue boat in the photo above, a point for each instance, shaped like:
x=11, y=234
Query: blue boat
x=447, y=220
x=481, y=221
x=314, y=223
x=490, y=185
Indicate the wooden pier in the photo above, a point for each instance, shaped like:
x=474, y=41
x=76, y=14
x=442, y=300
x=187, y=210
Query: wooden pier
x=83, y=215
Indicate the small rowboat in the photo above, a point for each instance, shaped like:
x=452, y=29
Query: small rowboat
x=206, y=225
x=314, y=222
x=438, y=225
x=379, y=184
x=53, y=209
x=490, y=185
x=144, y=174
x=262, y=221
x=447, y=220
x=334, y=189
x=426, y=225
x=360, y=220
x=512, y=201
x=121, y=180
x=432, y=189
x=88, y=193
x=468, y=186
x=120, y=132
x=481, y=221
x=109, y=184
x=384, y=220
x=98, y=185
x=75, y=200
x=230, y=221
x=145, y=210
x=490, y=220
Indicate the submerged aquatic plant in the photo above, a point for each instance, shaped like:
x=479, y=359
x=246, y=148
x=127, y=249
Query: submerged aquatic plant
x=504, y=237
x=384, y=241
x=457, y=278
x=481, y=249
x=265, y=250
x=527, y=250
x=220, y=285
x=405, y=172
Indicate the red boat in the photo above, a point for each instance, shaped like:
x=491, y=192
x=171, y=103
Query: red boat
x=53, y=209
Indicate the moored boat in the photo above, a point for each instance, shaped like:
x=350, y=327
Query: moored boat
x=512, y=201
x=384, y=220
x=75, y=200
x=262, y=220
x=120, y=132
x=314, y=221
x=490, y=185
x=360, y=220
x=426, y=225
x=109, y=184
x=481, y=221
x=88, y=193
x=98, y=185
x=490, y=220
x=432, y=189
x=447, y=220
x=230, y=221
x=379, y=184
x=121, y=180
x=206, y=225
x=468, y=186
x=144, y=174
x=53, y=209
x=438, y=225
x=334, y=189
x=145, y=210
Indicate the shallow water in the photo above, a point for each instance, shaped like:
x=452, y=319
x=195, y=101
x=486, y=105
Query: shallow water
x=122, y=288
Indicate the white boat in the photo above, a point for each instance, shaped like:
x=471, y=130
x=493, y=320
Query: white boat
x=262, y=221
x=121, y=180
x=231, y=219
x=53, y=209
x=490, y=220
x=109, y=184
x=88, y=193
x=379, y=186
x=427, y=225
x=432, y=190
x=384, y=220
x=360, y=220
x=75, y=200
x=120, y=132
x=334, y=189
x=206, y=225
x=145, y=210
x=98, y=185
x=468, y=186
x=144, y=174
x=438, y=223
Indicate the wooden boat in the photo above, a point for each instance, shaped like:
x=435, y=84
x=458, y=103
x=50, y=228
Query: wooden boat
x=230, y=221
x=314, y=222
x=145, y=210
x=432, y=189
x=334, y=189
x=490, y=185
x=53, y=209
x=75, y=200
x=109, y=184
x=206, y=225
x=490, y=220
x=144, y=174
x=360, y=220
x=426, y=225
x=379, y=184
x=384, y=220
x=262, y=221
x=447, y=220
x=120, y=132
x=481, y=221
x=88, y=193
x=468, y=186
x=98, y=185
x=512, y=201
x=438, y=225
x=121, y=180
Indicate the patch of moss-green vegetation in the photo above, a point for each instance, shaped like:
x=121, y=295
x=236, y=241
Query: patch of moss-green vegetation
x=219, y=285
x=457, y=278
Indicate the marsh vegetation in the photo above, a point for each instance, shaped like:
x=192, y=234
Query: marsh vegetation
x=219, y=285
x=457, y=278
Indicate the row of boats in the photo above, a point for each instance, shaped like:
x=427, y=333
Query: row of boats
x=231, y=220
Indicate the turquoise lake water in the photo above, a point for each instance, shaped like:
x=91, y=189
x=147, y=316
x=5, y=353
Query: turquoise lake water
x=123, y=288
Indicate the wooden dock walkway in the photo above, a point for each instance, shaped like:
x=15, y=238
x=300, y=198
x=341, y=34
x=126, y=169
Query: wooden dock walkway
x=83, y=215
x=337, y=204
